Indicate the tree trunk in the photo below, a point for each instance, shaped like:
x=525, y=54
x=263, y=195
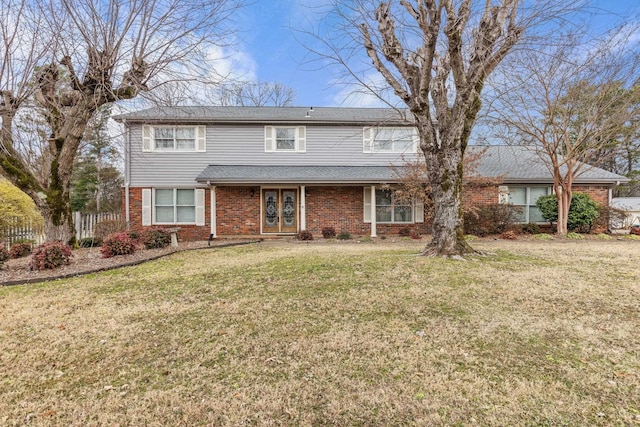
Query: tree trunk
x=563, y=195
x=445, y=172
x=59, y=228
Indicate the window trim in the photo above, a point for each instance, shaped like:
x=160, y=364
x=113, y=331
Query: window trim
x=271, y=141
x=369, y=138
x=149, y=216
x=528, y=205
x=149, y=140
x=417, y=209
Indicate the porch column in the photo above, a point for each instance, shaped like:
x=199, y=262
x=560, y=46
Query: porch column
x=213, y=211
x=303, y=211
x=374, y=232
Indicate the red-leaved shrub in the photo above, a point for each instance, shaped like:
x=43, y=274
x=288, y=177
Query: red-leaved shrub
x=117, y=244
x=50, y=255
x=4, y=254
x=19, y=250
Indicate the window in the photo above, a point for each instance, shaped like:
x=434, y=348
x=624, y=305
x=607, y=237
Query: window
x=173, y=138
x=174, y=206
x=525, y=198
x=388, y=209
x=390, y=140
x=292, y=139
x=391, y=210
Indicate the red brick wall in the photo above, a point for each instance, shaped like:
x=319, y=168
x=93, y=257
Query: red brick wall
x=187, y=232
x=599, y=193
x=238, y=210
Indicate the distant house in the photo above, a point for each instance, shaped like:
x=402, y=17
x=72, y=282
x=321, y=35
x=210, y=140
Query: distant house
x=632, y=206
x=259, y=171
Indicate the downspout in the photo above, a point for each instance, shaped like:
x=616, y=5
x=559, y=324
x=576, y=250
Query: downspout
x=127, y=170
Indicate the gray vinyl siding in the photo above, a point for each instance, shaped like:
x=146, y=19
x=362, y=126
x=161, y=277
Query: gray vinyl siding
x=238, y=144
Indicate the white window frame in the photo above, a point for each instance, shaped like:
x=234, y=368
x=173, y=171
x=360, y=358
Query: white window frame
x=149, y=207
x=528, y=203
x=149, y=140
x=417, y=209
x=370, y=134
x=271, y=140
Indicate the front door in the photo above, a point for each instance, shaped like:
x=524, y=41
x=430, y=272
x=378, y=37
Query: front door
x=280, y=210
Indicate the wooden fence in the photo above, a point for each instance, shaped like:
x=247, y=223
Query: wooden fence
x=84, y=224
x=16, y=231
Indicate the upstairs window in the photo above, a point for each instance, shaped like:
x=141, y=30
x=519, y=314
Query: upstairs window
x=390, y=140
x=173, y=138
x=285, y=139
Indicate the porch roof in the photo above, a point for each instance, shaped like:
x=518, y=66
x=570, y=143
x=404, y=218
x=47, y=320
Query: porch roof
x=255, y=174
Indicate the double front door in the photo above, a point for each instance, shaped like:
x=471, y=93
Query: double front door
x=280, y=210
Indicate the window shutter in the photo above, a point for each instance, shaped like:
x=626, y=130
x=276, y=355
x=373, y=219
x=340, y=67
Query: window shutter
x=367, y=204
x=147, y=138
x=302, y=139
x=199, y=206
x=367, y=139
x=269, y=139
x=201, y=139
x=503, y=194
x=146, y=207
x=418, y=209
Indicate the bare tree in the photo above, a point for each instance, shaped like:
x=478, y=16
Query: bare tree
x=573, y=103
x=246, y=94
x=91, y=53
x=436, y=56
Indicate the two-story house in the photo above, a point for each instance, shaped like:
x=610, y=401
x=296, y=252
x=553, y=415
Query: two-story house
x=257, y=171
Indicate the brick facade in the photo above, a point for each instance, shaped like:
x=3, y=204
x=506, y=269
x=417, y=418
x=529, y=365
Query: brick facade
x=341, y=207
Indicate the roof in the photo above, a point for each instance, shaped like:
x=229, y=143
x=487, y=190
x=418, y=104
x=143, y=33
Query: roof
x=518, y=163
x=329, y=115
x=515, y=164
x=626, y=203
x=242, y=174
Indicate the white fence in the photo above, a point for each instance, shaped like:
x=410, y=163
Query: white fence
x=84, y=224
x=15, y=231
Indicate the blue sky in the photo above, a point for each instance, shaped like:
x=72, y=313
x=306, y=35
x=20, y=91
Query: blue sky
x=266, y=48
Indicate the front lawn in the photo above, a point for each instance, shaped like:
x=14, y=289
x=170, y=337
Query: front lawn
x=543, y=333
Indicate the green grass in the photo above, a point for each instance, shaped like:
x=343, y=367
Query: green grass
x=540, y=333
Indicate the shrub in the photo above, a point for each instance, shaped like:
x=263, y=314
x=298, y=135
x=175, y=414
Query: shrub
x=490, y=219
x=89, y=242
x=530, y=228
x=304, y=235
x=575, y=236
x=107, y=227
x=404, y=232
x=415, y=234
x=19, y=250
x=50, y=255
x=344, y=235
x=509, y=235
x=583, y=211
x=4, y=254
x=155, y=238
x=117, y=244
x=328, y=232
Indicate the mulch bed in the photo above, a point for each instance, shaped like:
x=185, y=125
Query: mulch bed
x=89, y=260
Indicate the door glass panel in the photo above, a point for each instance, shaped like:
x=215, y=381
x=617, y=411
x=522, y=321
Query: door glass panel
x=271, y=208
x=289, y=208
